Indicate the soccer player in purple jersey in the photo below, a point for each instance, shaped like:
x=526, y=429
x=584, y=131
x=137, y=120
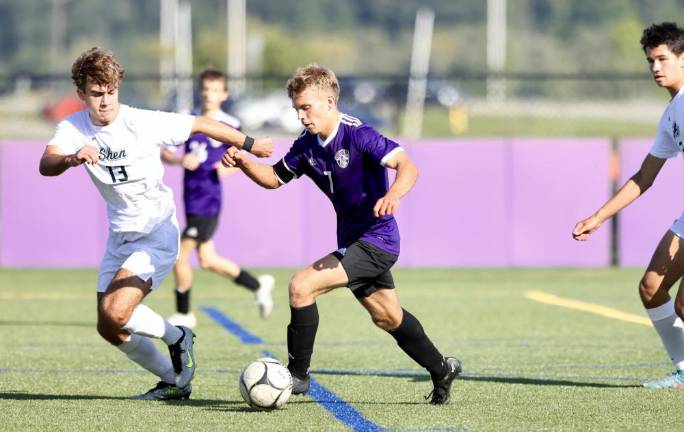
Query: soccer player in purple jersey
x=347, y=160
x=202, y=198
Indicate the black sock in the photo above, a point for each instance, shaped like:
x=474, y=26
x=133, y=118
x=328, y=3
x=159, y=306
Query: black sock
x=183, y=301
x=411, y=338
x=246, y=280
x=301, y=333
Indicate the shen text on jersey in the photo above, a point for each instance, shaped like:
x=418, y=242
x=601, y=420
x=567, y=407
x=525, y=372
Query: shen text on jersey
x=107, y=154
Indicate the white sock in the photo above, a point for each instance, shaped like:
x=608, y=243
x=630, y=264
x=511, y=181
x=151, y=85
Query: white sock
x=146, y=322
x=143, y=351
x=669, y=328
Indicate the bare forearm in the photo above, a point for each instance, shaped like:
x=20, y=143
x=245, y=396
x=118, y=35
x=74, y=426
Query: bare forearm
x=218, y=131
x=53, y=164
x=407, y=174
x=261, y=174
x=629, y=192
x=171, y=158
x=633, y=188
x=225, y=172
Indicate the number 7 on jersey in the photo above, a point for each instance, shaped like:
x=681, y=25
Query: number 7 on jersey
x=329, y=174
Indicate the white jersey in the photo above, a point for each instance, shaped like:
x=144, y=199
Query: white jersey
x=129, y=172
x=669, y=140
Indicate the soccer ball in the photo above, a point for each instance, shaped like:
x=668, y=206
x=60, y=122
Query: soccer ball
x=265, y=384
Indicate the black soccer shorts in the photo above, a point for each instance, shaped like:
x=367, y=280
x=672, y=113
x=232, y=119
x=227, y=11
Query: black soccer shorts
x=200, y=228
x=367, y=267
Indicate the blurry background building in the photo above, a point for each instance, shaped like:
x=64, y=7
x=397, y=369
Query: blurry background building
x=535, y=67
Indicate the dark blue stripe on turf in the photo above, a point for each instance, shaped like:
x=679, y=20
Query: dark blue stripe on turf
x=335, y=405
x=340, y=409
x=233, y=327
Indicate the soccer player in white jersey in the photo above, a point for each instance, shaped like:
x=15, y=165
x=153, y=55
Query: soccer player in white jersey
x=663, y=45
x=119, y=147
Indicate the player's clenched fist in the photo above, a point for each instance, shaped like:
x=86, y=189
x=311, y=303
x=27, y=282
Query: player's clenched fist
x=585, y=228
x=232, y=157
x=262, y=147
x=190, y=162
x=386, y=205
x=87, y=154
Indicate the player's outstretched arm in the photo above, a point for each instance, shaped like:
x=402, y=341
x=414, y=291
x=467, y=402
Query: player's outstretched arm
x=187, y=160
x=407, y=173
x=54, y=162
x=261, y=147
x=630, y=191
x=261, y=174
x=223, y=171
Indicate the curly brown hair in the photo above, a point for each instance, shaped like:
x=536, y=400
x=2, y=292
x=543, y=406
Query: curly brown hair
x=315, y=76
x=98, y=65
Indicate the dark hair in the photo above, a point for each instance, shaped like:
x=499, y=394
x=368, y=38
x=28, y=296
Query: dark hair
x=99, y=65
x=667, y=33
x=213, y=75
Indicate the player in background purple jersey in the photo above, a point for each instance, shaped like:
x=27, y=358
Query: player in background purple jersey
x=347, y=160
x=202, y=198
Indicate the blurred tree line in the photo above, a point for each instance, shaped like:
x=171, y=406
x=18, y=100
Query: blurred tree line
x=359, y=37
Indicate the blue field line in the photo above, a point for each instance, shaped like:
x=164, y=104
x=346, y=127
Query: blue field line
x=236, y=329
x=339, y=408
x=334, y=404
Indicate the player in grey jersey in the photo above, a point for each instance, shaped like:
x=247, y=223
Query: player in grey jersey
x=347, y=160
x=663, y=45
x=119, y=147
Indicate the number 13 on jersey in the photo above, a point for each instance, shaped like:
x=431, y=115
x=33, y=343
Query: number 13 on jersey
x=118, y=174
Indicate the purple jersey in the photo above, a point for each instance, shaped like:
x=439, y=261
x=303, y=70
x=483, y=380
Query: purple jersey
x=349, y=168
x=202, y=187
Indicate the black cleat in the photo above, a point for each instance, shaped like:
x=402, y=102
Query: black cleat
x=300, y=385
x=183, y=357
x=442, y=386
x=165, y=391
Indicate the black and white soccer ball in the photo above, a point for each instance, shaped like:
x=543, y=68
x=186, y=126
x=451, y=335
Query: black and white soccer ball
x=265, y=384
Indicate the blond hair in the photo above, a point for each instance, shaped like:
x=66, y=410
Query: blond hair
x=98, y=65
x=313, y=76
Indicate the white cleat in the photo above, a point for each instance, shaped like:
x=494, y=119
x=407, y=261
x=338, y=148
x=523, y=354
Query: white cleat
x=264, y=299
x=674, y=380
x=187, y=320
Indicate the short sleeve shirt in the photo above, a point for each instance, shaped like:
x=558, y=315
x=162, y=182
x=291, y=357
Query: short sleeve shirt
x=349, y=167
x=669, y=141
x=129, y=172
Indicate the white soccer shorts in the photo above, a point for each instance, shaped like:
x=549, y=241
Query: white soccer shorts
x=146, y=255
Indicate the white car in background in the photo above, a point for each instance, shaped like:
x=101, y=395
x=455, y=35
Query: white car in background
x=272, y=111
